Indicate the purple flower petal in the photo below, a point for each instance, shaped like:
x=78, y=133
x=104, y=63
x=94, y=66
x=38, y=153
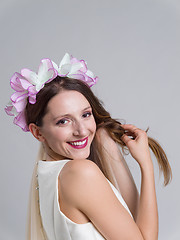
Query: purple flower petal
x=18, y=96
x=29, y=75
x=20, y=105
x=32, y=99
x=25, y=84
x=8, y=110
x=78, y=76
x=74, y=60
x=32, y=94
x=52, y=74
x=15, y=81
x=45, y=64
x=84, y=68
x=95, y=80
x=21, y=122
x=32, y=90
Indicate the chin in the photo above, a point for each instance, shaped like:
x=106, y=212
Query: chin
x=84, y=155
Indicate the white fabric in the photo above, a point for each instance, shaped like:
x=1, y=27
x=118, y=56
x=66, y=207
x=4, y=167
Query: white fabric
x=56, y=225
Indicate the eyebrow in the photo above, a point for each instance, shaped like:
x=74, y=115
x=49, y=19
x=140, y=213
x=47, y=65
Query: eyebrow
x=67, y=114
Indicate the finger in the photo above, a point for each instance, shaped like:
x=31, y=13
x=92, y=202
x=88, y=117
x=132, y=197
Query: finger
x=129, y=127
x=126, y=139
x=139, y=133
x=131, y=130
x=132, y=135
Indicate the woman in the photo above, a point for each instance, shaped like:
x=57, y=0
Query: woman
x=73, y=194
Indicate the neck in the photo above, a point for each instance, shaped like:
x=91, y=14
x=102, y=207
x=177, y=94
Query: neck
x=50, y=155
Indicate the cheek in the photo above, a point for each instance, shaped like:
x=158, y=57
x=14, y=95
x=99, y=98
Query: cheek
x=56, y=136
x=62, y=134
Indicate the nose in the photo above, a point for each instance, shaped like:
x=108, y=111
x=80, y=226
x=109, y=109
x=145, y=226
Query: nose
x=79, y=129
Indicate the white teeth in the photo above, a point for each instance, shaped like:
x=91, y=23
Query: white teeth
x=78, y=143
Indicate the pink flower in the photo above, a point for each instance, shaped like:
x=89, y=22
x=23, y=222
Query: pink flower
x=9, y=109
x=28, y=83
x=20, y=121
x=19, y=118
x=73, y=68
x=23, y=89
x=26, y=86
x=46, y=73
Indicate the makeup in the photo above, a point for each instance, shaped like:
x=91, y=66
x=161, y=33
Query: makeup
x=79, y=143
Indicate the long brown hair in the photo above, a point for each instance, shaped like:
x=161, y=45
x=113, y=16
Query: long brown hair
x=35, y=113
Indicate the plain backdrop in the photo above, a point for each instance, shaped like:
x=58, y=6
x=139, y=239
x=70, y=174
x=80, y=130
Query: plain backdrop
x=134, y=48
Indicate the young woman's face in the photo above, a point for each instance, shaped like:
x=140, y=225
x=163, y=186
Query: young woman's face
x=69, y=126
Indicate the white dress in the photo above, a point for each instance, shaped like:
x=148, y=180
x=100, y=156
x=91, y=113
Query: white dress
x=56, y=225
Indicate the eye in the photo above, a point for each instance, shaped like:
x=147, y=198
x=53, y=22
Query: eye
x=87, y=114
x=62, y=122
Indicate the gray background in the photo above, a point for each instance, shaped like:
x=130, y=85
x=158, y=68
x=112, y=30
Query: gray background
x=134, y=48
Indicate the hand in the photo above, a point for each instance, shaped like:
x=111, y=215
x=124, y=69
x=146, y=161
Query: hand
x=137, y=142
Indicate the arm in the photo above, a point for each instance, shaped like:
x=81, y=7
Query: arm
x=119, y=168
x=147, y=219
x=85, y=188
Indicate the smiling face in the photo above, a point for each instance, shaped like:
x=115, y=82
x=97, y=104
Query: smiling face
x=68, y=126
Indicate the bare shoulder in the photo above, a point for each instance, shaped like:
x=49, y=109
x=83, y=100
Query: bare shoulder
x=76, y=173
x=79, y=166
x=85, y=187
x=76, y=177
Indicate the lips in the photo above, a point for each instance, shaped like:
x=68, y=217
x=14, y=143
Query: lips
x=79, y=143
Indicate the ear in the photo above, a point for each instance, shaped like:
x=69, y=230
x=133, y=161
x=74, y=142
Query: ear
x=35, y=130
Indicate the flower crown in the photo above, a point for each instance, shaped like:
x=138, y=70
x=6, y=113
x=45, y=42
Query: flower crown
x=27, y=83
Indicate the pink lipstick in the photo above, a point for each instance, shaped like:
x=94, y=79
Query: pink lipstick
x=79, y=143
